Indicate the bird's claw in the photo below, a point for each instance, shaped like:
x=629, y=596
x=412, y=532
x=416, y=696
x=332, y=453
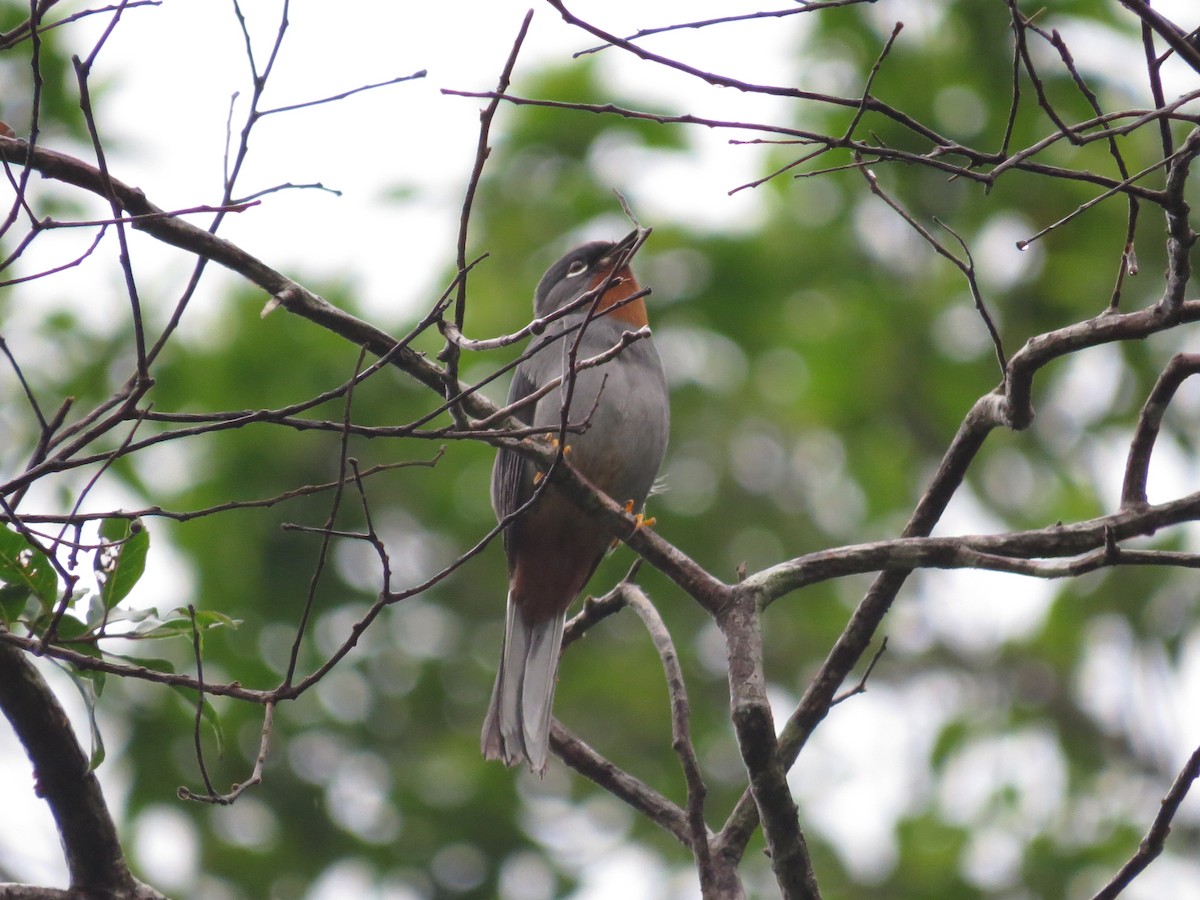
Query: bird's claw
x=639, y=522
x=554, y=443
x=639, y=519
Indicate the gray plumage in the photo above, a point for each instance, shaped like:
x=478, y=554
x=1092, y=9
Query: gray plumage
x=554, y=547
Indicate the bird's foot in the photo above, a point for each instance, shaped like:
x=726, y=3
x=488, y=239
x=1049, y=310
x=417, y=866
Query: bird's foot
x=639, y=520
x=566, y=451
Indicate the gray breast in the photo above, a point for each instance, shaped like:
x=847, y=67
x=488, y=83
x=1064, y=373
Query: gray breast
x=625, y=404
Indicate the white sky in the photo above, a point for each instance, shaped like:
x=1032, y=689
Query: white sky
x=178, y=66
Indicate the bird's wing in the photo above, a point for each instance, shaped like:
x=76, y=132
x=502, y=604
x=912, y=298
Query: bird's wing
x=511, y=476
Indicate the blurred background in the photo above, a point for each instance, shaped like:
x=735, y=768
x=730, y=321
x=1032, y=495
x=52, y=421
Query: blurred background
x=1017, y=735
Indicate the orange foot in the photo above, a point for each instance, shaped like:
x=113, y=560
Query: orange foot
x=639, y=520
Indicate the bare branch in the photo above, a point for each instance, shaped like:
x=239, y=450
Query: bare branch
x=754, y=725
x=255, y=775
x=327, y=536
x=94, y=857
x=1167, y=30
x=802, y=6
x=26, y=29
x=1156, y=838
x=333, y=98
x=717, y=80
x=967, y=268
x=681, y=737
x=861, y=687
x=450, y=353
x=179, y=233
x=1137, y=468
x=590, y=764
x=198, y=720
x=975, y=168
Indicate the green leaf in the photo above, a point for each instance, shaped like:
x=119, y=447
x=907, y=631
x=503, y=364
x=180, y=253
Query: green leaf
x=121, y=561
x=90, y=684
x=210, y=618
x=158, y=628
x=71, y=629
x=178, y=625
x=21, y=563
x=97, y=678
x=132, y=615
x=98, y=615
x=208, y=714
x=13, y=600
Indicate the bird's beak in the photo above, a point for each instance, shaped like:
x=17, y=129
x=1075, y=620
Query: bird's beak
x=626, y=242
x=623, y=246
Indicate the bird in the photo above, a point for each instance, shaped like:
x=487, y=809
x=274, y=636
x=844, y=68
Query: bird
x=554, y=547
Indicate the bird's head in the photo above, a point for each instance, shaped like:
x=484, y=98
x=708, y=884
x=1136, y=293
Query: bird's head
x=587, y=267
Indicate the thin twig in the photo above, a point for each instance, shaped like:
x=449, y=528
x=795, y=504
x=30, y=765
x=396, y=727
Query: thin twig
x=866, y=93
x=332, y=98
x=967, y=267
x=450, y=353
x=681, y=736
x=573, y=751
x=199, y=718
x=327, y=535
x=1137, y=467
x=256, y=774
x=1156, y=838
x=802, y=6
x=861, y=687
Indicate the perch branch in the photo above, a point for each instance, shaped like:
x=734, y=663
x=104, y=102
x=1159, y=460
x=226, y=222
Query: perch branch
x=95, y=861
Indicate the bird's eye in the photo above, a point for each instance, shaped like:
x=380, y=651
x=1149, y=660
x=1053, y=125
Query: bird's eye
x=578, y=267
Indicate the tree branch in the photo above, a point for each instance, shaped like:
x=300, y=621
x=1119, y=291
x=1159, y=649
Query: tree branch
x=179, y=233
x=681, y=737
x=1156, y=838
x=95, y=861
x=587, y=762
x=754, y=725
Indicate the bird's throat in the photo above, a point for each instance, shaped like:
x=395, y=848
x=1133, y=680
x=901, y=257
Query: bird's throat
x=632, y=312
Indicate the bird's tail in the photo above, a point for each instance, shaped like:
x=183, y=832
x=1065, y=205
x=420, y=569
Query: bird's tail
x=517, y=726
